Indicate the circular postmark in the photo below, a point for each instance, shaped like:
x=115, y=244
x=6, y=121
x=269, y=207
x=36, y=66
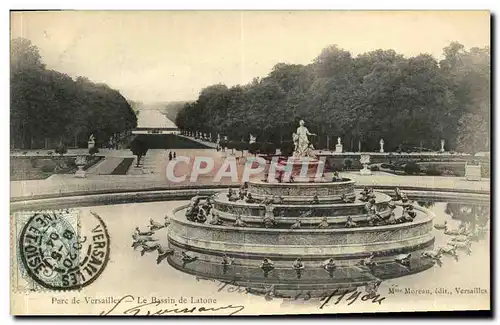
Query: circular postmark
x=64, y=251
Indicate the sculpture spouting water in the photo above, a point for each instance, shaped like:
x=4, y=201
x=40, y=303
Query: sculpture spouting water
x=357, y=237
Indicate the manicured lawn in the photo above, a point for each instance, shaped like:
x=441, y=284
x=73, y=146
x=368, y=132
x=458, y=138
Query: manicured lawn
x=168, y=141
x=32, y=168
x=123, y=167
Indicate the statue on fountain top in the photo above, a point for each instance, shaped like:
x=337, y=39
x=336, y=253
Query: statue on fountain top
x=303, y=147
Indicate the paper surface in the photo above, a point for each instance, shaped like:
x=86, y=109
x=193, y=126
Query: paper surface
x=111, y=231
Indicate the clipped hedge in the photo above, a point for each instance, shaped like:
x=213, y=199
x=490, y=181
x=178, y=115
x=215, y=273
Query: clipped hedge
x=412, y=168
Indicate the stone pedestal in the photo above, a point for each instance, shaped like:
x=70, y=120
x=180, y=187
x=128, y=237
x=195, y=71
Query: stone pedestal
x=80, y=173
x=473, y=172
x=365, y=170
x=80, y=163
x=301, y=169
x=339, y=148
x=365, y=161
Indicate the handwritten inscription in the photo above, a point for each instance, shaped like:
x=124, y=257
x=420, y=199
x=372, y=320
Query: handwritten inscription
x=129, y=305
x=334, y=297
x=350, y=298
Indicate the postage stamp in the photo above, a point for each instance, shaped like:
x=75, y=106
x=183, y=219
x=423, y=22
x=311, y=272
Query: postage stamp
x=58, y=249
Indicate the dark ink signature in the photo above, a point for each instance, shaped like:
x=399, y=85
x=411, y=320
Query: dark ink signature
x=354, y=295
x=151, y=308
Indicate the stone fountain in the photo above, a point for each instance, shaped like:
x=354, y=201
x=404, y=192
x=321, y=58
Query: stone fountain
x=297, y=235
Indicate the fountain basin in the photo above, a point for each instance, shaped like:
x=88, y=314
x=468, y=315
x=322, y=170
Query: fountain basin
x=210, y=242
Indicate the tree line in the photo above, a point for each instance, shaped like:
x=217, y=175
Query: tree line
x=407, y=101
x=49, y=108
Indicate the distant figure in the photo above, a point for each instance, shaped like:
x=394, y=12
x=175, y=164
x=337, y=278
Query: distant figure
x=137, y=232
x=175, y=155
x=397, y=194
x=277, y=200
x=226, y=260
x=392, y=218
x=371, y=288
x=370, y=220
x=329, y=265
x=201, y=216
x=462, y=227
x=336, y=177
x=215, y=219
x=345, y=199
x=409, y=214
x=350, y=223
x=269, y=213
x=298, y=265
x=368, y=261
x=269, y=221
x=267, y=265
x=323, y=224
x=280, y=175
x=371, y=194
x=231, y=195
x=188, y=258
x=440, y=226
x=315, y=199
x=369, y=208
x=249, y=198
x=364, y=196
x=170, y=156
x=239, y=222
x=403, y=259
x=242, y=191
x=153, y=225
x=296, y=225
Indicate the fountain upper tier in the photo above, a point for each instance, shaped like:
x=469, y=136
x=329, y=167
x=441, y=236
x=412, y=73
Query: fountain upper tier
x=336, y=213
x=299, y=169
x=303, y=192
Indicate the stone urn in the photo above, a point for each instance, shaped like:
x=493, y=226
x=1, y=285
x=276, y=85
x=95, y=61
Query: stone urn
x=365, y=161
x=80, y=163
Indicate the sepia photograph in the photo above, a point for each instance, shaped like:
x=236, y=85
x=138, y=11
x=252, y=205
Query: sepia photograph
x=236, y=163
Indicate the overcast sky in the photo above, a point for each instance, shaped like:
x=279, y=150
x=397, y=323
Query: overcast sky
x=167, y=56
